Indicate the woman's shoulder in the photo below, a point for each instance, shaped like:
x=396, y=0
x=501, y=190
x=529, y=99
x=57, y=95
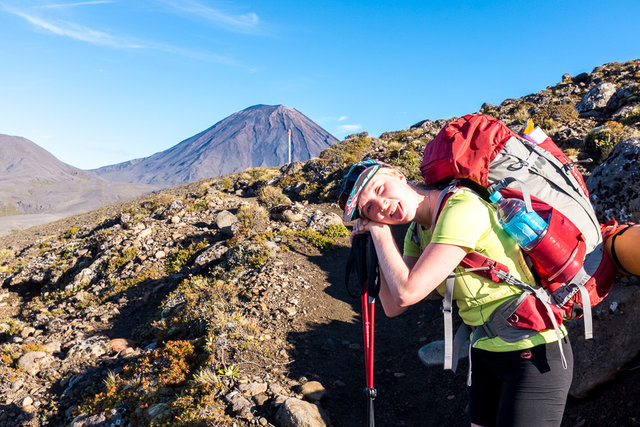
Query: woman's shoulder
x=466, y=198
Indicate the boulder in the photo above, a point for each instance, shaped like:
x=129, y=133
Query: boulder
x=34, y=361
x=625, y=111
x=225, y=219
x=628, y=93
x=90, y=349
x=126, y=221
x=86, y=275
x=239, y=405
x=103, y=419
x=53, y=347
x=596, y=98
x=610, y=185
x=211, y=253
x=252, y=389
x=291, y=168
x=157, y=412
x=298, y=413
x=313, y=391
x=121, y=344
x=227, y=223
x=287, y=213
x=319, y=221
x=176, y=207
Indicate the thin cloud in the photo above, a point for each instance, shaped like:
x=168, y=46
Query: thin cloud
x=76, y=4
x=188, y=53
x=101, y=38
x=349, y=128
x=74, y=31
x=342, y=118
x=245, y=23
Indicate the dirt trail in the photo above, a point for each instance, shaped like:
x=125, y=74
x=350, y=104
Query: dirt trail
x=328, y=348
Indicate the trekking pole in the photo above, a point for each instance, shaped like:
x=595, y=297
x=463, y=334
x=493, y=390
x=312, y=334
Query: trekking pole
x=368, y=320
x=364, y=260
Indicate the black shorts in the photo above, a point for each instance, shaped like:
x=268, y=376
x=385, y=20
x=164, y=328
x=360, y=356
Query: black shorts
x=520, y=388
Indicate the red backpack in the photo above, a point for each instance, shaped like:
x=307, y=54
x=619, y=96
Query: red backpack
x=575, y=271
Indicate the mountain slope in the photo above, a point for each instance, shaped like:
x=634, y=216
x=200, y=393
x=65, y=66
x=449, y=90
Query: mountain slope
x=254, y=137
x=22, y=159
x=34, y=182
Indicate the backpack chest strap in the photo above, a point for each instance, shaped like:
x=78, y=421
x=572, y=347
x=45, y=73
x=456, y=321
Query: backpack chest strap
x=486, y=267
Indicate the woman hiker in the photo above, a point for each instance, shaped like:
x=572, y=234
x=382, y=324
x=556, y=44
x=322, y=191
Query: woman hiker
x=519, y=383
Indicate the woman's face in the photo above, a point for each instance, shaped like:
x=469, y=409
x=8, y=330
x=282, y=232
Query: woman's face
x=388, y=198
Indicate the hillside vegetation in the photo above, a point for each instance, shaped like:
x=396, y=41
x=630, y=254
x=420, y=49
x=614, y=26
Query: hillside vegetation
x=221, y=302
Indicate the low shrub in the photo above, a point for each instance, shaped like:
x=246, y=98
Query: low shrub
x=563, y=112
x=177, y=259
x=226, y=184
x=600, y=140
x=349, y=151
x=70, y=232
x=631, y=118
x=6, y=256
x=272, y=196
x=120, y=259
x=323, y=240
x=252, y=217
x=521, y=112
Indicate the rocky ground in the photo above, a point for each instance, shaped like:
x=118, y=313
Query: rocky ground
x=66, y=352
x=223, y=302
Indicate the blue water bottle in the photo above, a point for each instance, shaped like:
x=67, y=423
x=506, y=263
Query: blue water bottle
x=526, y=228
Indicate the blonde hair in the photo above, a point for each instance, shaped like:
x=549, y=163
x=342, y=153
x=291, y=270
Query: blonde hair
x=391, y=172
x=398, y=174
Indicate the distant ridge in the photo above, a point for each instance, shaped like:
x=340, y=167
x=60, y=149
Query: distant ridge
x=254, y=137
x=36, y=187
x=22, y=159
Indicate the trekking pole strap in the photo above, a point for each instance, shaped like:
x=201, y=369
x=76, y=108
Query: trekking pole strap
x=373, y=272
x=357, y=262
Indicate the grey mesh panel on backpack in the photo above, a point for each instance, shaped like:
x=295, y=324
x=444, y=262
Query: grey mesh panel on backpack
x=542, y=174
x=540, y=171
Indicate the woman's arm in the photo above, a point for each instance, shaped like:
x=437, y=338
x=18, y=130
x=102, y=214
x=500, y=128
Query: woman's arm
x=390, y=309
x=405, y=285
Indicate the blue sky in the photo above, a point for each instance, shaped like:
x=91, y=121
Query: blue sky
x=105, y=81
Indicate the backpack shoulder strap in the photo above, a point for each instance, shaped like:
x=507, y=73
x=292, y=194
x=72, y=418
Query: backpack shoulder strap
x=473, y=261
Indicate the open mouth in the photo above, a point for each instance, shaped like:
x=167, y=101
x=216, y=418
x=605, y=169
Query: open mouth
x=394, y=208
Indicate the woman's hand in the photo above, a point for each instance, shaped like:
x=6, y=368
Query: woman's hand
x=364, y=225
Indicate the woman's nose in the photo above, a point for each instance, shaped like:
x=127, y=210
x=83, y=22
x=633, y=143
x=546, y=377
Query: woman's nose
x=379, y=205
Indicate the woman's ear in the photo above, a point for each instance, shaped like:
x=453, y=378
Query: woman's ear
x=399, y=175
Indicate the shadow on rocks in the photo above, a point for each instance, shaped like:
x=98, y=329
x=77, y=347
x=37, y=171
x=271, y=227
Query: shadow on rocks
x=10, y=413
